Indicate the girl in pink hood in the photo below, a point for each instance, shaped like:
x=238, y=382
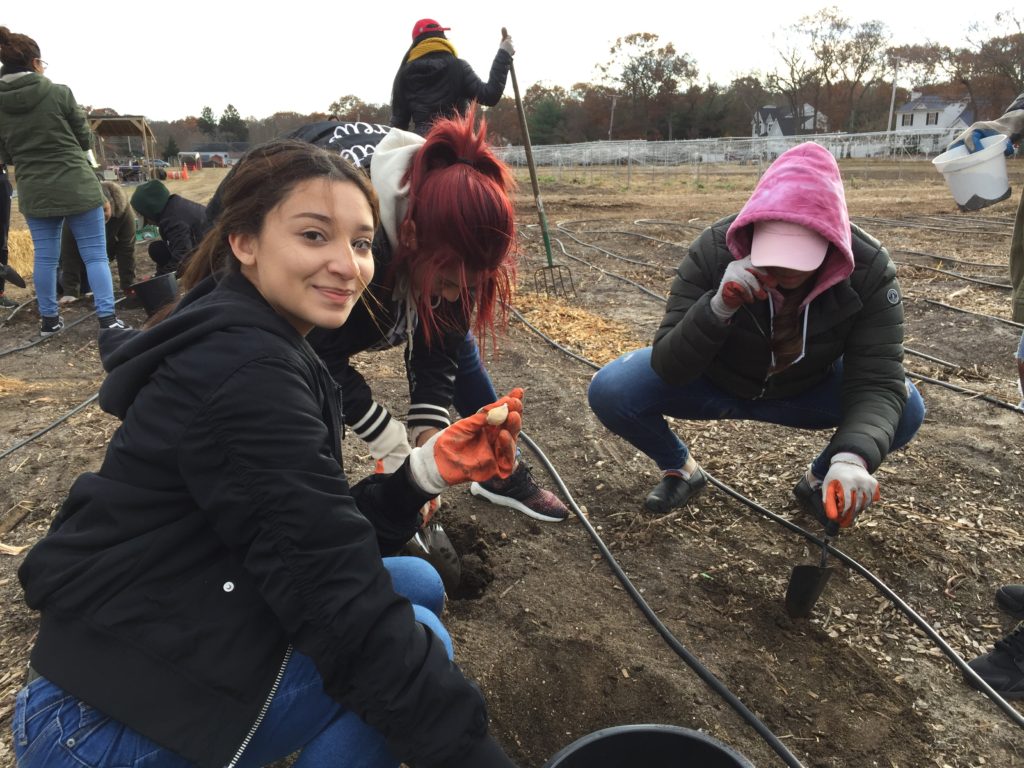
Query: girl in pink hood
x=783, y=313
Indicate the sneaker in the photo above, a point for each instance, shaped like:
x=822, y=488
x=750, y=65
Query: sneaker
x=810, y=501
x=67, y=298
x=110, y=322
x=1011, y=599
x=675, y=491
x=1003, y=667
x=7, y=303
x=51, y=325
x=520, y=491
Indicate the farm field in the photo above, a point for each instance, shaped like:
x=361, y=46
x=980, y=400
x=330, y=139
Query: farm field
x=540, y=621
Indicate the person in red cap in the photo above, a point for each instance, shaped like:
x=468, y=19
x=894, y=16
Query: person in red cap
x=783, y=313
x=433, y=81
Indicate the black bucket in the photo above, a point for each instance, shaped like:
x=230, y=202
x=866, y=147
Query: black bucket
x=650, y=746
x=155, y=292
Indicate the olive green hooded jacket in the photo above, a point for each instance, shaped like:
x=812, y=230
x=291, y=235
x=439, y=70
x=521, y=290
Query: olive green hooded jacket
x=44, y=134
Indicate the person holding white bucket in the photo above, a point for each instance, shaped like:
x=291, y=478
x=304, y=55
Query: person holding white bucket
x=1011, y=124
x=1003, y=667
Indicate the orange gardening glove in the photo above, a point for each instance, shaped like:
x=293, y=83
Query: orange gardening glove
x=470, y=449
x=848, y=489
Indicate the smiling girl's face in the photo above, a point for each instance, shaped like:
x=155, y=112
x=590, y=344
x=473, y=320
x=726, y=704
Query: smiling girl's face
x=312, y=258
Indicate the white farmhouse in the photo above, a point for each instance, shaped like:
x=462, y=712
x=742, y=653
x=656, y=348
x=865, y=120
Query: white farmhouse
x=770, y=120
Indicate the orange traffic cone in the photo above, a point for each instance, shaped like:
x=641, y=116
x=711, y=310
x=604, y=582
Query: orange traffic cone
x=184, y=172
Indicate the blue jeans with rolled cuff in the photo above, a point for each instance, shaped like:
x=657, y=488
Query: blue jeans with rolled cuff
x=90, y=234
x=632, y=401
x=53, y=729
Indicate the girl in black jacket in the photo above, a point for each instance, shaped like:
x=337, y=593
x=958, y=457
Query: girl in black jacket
x=215, y=594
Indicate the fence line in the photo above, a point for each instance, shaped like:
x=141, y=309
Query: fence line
x=744, y=151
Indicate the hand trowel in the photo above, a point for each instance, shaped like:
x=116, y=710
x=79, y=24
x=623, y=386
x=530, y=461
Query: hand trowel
x=807, y=582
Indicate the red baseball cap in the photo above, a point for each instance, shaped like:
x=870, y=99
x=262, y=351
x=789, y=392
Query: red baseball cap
x=789, y=245
x=423, y=26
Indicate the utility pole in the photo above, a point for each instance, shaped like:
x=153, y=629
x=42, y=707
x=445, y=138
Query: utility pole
x=889, y=127
x=611, y=120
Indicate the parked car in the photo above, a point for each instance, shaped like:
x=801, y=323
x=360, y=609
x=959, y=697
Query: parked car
x=159, y=164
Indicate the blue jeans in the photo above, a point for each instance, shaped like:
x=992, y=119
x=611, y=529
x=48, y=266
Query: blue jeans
x=55, y=730
x=473, y=387
x=631, y=400
x=90, y=233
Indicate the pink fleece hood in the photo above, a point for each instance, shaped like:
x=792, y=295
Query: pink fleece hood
x=802, y=186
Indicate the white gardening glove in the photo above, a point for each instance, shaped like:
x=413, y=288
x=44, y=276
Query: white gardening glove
x=390, y=448
x=741, y=284
x=848, y=489
x=506, y=46
x=1010, y=125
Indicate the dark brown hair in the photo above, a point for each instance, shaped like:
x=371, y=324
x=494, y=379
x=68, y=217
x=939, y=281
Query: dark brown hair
x=17, y=52
x=262, y=179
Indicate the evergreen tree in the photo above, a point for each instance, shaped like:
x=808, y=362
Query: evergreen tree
x=207, y=122
x=232, y=126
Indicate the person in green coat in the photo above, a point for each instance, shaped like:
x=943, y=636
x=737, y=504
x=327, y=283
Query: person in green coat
x=45, y=135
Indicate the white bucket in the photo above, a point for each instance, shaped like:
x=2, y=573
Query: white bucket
x=976, y=179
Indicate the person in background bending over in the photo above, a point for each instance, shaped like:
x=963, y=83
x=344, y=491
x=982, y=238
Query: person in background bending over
x=182, y=224
x=434, y=82
x=1003, y=667
x=120, y=230
x=783, y=313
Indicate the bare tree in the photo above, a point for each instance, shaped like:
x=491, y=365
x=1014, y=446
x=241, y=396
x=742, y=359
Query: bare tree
x=647, y=75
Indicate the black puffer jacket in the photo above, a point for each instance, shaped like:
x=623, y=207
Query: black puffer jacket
x=440, y=85
x=854, y=309
x=182, y=224
x=220, y=532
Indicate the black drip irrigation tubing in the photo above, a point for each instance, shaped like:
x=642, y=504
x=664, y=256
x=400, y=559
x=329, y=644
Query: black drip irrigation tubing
x=956, y=275
x=936, y=360
x=972, y=312
x=16, y=310
x=41, y=339
x=877, y=583
x=44, y=430
x=915, y=225
x=975, y=395
x=612, y=254
x=562, y=225
x=624, y=279
x=949, y=258
x=669, y=222
x=691, y=661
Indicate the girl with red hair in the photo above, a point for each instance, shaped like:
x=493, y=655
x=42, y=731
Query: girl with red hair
x=445, y=257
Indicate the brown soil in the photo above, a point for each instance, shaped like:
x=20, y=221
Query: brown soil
x=555, y=642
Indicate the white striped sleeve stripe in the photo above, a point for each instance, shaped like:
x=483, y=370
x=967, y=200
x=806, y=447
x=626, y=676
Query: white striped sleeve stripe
x=427, y=414
x=373, y=423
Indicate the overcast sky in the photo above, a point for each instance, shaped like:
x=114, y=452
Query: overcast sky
x=168, y=60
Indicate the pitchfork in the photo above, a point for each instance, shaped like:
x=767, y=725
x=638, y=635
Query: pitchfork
x=553, y=277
